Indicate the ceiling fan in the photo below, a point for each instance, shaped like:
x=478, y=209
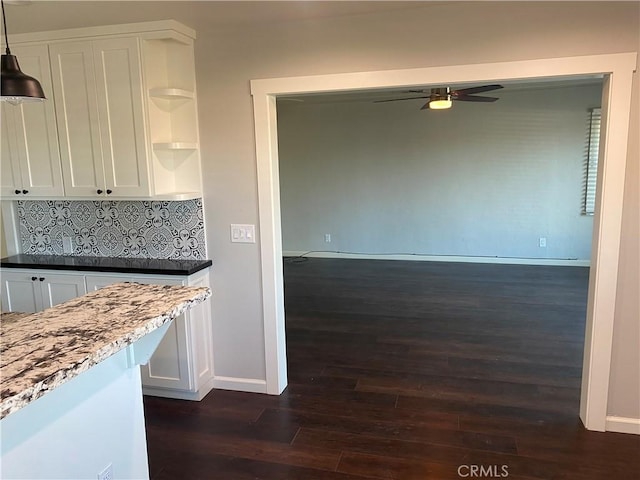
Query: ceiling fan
x=441, y=98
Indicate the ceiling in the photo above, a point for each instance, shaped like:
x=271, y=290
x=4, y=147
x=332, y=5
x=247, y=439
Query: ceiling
x=391, y=93
x=24, y=16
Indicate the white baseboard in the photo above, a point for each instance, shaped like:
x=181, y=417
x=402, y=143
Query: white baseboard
x=180, y=394
x=623, y=425
x=240, y=384
x=442, y=258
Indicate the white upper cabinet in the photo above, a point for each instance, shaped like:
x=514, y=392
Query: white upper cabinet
x=100, y=116
x=121, y=121
x=30, y=159
x=121, y=113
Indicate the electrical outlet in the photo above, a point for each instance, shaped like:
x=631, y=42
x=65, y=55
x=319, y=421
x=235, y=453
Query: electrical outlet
x=67, y=245
x=107, y=473
x=243, y=233
x=327, y=237
x=542, y=242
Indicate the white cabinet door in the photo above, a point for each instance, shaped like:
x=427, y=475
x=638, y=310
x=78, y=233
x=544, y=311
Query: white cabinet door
x=30, y=151
x=74, y=86
x=11, y=181
x=34, y=290
x=201, y=336
x=171, y=364
x=21, y=292
x=100, y=115
x=121, y=114
x=96, y=282
x=59, y=288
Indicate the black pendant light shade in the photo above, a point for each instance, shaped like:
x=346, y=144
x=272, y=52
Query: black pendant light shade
x=16, y=86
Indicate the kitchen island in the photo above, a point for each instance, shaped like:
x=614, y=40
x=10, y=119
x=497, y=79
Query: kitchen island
x=70, y=381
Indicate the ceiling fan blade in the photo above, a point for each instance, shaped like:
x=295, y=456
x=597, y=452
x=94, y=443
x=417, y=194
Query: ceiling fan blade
x=397, y=99
x=472, y=90
x=425, y=106
x=472, y=98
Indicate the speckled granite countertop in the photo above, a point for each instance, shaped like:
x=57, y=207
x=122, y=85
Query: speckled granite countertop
x=41, y=351
x=155, y=266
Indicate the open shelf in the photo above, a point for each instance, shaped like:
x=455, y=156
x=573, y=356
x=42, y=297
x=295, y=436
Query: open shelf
x=173, y=119
x=171, y=93
x=178, y=196
x=175, y=146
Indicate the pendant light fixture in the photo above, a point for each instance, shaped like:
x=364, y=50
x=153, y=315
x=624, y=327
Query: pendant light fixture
x=17, y=87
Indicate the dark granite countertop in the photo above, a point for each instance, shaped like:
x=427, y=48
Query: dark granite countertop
x=155, y=266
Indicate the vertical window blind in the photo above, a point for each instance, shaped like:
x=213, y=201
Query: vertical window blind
x=588, y=206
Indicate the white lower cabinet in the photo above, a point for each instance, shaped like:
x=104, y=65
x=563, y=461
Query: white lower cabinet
x=181, y=366
x=183, y=362
x=34, y=290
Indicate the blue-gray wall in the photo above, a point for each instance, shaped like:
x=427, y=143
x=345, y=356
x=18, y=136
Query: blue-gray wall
x=475, y=180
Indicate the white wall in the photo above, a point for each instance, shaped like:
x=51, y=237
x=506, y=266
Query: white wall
x=485, y=32
x=475, y=180
x=77, y=430
x=228, y=57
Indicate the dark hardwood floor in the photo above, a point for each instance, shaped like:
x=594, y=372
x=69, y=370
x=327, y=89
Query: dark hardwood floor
x=407, y=371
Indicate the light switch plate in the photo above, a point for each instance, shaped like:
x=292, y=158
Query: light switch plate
x=242, y=233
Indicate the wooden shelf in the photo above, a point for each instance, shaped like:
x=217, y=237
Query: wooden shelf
x=171, y=93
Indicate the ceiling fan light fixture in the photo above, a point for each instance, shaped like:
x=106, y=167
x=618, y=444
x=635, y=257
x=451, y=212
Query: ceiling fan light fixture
x=16, y=87
x=441, y=103
x=442, y=98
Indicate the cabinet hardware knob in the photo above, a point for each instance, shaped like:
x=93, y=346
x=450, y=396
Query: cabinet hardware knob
x=25, y=191
x=33, y=279
x=17, y=192
x=41, y=279
x=109, y=192
x=98, y=191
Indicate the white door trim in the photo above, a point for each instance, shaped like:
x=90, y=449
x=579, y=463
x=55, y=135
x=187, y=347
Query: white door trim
x=618, y=72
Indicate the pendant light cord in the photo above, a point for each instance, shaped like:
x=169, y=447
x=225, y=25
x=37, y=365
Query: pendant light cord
x=4, y=22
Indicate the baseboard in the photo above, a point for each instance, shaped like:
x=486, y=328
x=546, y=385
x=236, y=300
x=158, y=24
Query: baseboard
x=166, y=393
x=442, y=258
x=180, y=394
x=623, y=425
x=240, y=384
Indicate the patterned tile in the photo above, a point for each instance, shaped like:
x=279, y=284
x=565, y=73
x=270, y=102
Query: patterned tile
x=143, y=229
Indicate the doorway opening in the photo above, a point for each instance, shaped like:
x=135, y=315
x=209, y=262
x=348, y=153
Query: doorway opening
x=616, y=69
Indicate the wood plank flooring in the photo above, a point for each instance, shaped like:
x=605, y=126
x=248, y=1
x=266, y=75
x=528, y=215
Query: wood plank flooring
x=403, y=371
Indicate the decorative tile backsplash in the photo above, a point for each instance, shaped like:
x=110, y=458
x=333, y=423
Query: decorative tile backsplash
x=144, y=229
